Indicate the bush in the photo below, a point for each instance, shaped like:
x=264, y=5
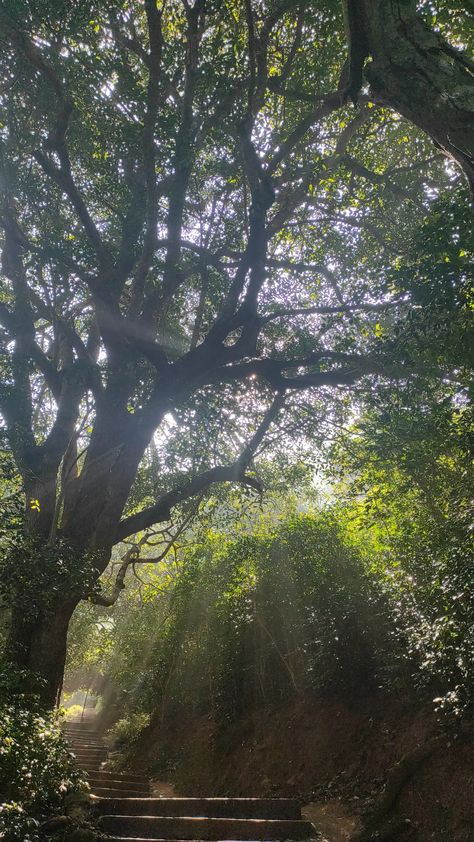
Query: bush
x=73, y=712
x=36, y=769
x=127, y=731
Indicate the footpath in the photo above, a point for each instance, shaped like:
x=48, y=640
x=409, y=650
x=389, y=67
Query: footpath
x=126, y=811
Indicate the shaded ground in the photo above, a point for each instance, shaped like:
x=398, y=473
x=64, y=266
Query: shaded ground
x=331, y=819
x=161, y=789
x=332, y=757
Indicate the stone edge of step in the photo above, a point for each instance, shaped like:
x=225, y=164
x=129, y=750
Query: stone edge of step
x=153, y=806
x=203, y=821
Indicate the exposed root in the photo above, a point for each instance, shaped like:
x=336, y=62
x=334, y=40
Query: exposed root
x=377, y=825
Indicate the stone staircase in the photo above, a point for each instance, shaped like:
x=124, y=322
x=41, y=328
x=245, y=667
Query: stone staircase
x=127, y=813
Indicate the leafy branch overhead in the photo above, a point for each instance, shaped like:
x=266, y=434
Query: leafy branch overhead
x=198, y=229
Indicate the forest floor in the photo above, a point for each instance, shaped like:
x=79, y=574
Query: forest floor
x=333, y=757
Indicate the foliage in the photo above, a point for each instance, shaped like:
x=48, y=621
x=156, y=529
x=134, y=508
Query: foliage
x=410, y=490
x=286, y=610
x=11, y=522
x=73, y=711
x=36, y=768
x=11, y=502
x=126, y=731
x=199, y=234
x=406, y=465
x=40, y=571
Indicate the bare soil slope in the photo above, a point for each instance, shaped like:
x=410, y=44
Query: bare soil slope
x=336, y=759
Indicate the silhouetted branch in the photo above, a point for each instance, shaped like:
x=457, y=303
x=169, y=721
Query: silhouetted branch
x=235, y=472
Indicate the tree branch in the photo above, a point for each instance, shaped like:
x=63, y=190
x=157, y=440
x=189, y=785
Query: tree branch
x=324, y=311
x=272, y=371
x=182, y=164
x=235, y=472
x=149, y=156
x=110, y=599
x=330, y=103
x=56, y=140
x=63, y=178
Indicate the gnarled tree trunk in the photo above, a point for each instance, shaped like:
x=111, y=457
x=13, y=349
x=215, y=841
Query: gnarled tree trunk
x=37, y=642
x=413, y=70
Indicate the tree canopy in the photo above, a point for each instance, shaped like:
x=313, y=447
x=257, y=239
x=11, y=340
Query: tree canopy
x=208, y=217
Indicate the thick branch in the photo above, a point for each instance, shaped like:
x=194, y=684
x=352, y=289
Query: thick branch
x=235, y=472
x=51, y=375
x=161, y=511
x=410, y=73
x=272, y=371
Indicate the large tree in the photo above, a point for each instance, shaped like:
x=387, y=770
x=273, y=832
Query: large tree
x=195, y=231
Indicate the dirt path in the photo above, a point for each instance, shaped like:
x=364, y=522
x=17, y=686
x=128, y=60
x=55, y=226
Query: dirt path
x=162, y=789
x=330, y=819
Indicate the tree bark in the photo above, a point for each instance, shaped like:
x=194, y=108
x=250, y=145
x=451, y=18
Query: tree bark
x=413, y=70
x=37, y=642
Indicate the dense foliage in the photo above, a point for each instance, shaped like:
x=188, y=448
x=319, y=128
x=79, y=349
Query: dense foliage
x=349, y=603
x=36, y=768
x=410, y=487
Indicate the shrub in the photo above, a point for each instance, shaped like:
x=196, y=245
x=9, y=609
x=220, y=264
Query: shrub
x=128, y=729
x=73, y=712
x=36, y=768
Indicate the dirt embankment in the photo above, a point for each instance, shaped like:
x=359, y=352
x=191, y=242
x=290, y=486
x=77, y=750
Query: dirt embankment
x=334, y=758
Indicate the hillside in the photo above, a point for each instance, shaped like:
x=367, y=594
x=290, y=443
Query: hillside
x=334, y=758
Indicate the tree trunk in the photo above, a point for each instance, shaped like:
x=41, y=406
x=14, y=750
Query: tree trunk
x=414, y=71
x=38, y=643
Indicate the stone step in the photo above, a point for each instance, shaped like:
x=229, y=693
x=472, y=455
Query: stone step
x=81, y=735
x=82, y=729
x=86, y=748
x=90, y=768
x=100, y=754
x=140, y=787
x=166, y=827
x=234, y=808
x=107, y=792
x=89, y=761
x=109, y=775
x=89, y=748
